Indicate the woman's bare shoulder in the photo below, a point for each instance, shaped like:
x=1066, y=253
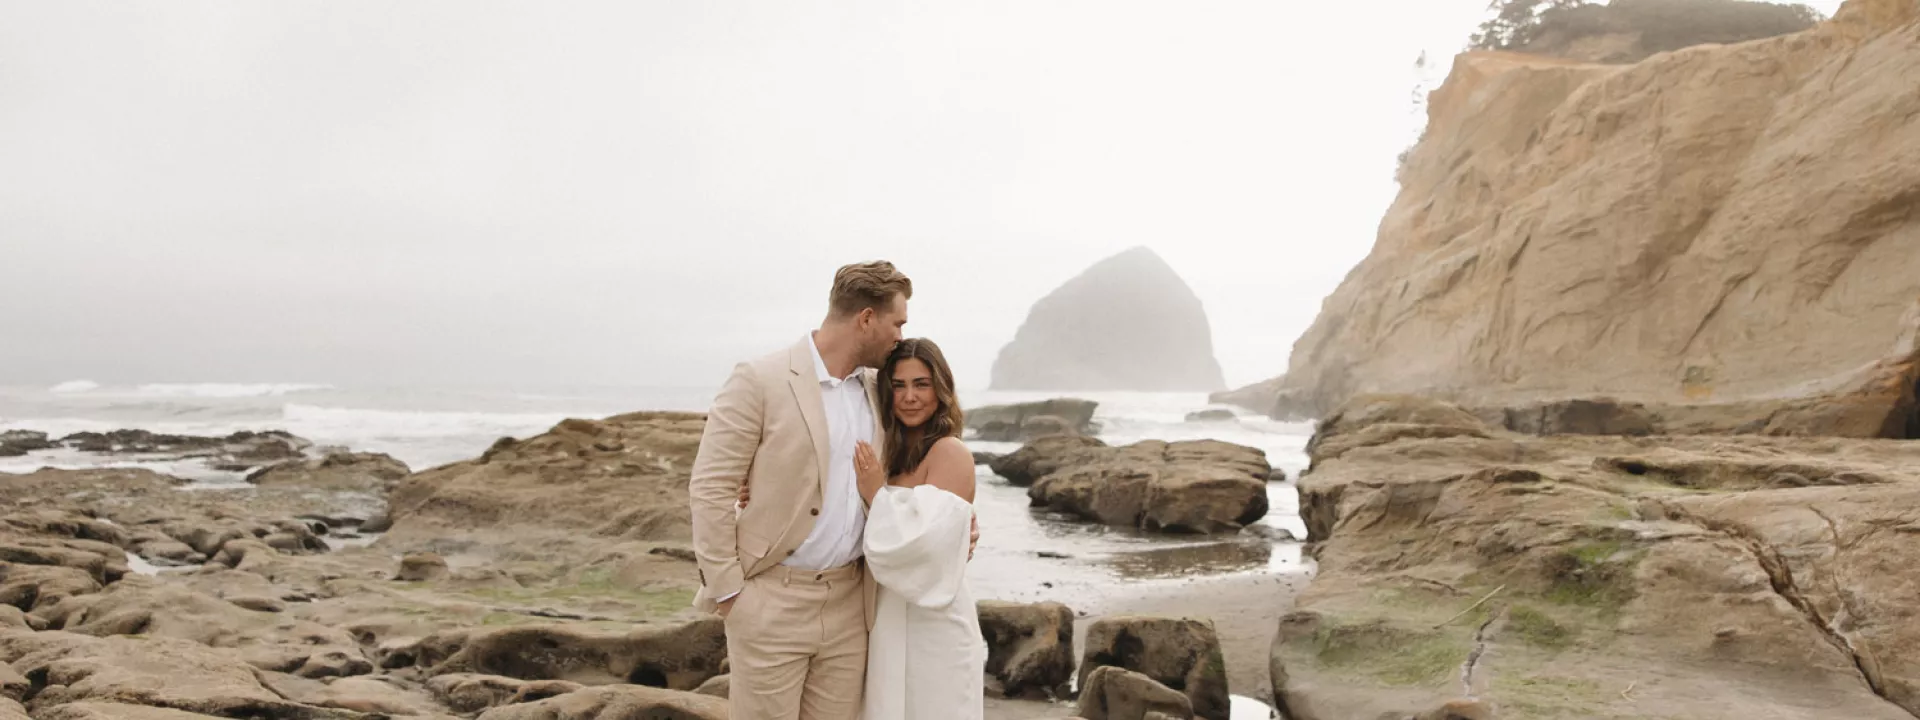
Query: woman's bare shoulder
x=950, y=452
x=951, y=447
x=950, y=466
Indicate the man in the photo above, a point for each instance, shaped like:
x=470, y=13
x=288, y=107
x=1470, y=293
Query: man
x=784, y=571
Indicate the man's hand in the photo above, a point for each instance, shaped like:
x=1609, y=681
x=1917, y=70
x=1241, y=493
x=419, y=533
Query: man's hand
x=973, y=537
x=726, y=606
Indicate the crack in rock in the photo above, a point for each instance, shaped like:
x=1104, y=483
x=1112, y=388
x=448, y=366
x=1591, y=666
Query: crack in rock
x=1479, y=649
x=1780, y=577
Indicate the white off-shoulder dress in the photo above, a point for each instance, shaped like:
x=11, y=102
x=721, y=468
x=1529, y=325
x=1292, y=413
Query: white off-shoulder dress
x=925, y=657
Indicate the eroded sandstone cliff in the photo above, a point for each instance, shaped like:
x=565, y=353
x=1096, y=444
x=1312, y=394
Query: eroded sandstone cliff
x=1725, y=235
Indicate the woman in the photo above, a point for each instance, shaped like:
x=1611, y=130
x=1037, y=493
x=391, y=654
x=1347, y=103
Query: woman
x=925, y=657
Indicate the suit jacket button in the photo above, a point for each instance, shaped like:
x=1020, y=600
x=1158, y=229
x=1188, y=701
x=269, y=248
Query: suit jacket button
x=816, y=511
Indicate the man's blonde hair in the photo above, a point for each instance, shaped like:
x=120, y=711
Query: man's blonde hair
x=867, y=285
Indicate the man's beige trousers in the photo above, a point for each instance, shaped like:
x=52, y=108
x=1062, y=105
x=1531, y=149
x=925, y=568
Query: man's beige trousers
x=797, y=643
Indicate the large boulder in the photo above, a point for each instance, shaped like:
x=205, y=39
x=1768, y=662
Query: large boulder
x=1175, y=652
x=624, y=477
x=617, y=703
x=1029, y=648
x=1722, y=235
x=1198, y=486
x=14, y=443
x=365, y=472
x=1113, y=693
x=1025, y=422
x=1127, y=323
x=1045, y=456
x=1762, y=576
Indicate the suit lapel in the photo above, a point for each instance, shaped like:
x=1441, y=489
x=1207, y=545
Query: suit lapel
x=813, y=409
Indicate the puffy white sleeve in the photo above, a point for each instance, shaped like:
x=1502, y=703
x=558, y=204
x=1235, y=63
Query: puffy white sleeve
x=916, y=543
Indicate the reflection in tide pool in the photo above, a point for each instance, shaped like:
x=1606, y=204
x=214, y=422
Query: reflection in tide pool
x=1030, y=555
x=1252, y=554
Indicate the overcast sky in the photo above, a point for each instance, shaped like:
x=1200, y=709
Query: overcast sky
x=644, y=192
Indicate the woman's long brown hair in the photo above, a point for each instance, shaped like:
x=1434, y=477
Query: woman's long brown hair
x=946, y=421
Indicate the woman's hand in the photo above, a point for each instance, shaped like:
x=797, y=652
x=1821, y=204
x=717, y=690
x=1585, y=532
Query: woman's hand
x=868, y=472
x=744, y=494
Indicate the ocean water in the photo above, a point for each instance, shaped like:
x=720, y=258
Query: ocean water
x=425, y=427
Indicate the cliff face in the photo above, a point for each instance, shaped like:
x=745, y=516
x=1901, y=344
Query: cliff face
x=1728, y=235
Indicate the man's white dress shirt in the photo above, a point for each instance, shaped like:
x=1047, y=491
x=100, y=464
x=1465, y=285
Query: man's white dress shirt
x=836, y=536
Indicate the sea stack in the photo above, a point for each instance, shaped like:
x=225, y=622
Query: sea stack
x=1129, y=323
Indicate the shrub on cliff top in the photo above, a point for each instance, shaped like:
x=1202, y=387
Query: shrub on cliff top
x=1551, y=27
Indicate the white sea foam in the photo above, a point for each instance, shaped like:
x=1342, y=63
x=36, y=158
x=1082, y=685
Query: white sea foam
x=226, y=390
x=75, y=386
x=316, y=422
x=195, y=470
x=418, y=438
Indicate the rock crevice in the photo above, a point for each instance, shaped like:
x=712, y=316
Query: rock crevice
x=1780, y=576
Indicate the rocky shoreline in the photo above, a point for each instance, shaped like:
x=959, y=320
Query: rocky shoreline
x=548, y=577
x=1464, y=569
x=1592, y=577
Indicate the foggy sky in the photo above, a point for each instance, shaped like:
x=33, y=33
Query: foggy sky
x=643, y=193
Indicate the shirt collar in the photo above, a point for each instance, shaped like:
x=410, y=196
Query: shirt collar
x=820, y=367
